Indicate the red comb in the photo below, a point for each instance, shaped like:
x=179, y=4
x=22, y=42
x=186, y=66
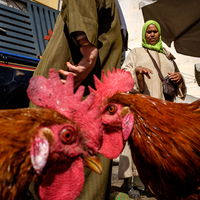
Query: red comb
x=119, y=81
x=52, y=93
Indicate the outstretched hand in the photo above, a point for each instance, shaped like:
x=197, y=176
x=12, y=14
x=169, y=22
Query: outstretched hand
x=84, y=67
x=143, y=70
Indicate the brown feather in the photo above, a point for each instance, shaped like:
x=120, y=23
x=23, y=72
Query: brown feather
x=18, y=127
x=165, y=144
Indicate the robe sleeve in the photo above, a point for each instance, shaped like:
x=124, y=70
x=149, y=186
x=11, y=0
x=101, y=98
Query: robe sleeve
x=181, y=89
x=81, y=16
x=130, y=65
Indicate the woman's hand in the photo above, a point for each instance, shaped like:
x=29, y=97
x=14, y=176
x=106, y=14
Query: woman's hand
x=175, y=77
x=84, y=67
x=143, y=70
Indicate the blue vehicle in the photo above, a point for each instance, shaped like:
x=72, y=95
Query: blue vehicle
x=25, y=28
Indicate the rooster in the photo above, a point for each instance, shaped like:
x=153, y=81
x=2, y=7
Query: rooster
x=115, y=133
x=165, y=139
x=110, y=144
x=52, y=93
x=48, y=146
x=112, y=141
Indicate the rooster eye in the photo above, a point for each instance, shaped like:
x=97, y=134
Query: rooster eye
x=67, y=135
x=111, y=109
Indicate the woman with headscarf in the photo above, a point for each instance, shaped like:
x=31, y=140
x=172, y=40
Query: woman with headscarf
x=139, y=62
x=148, y=82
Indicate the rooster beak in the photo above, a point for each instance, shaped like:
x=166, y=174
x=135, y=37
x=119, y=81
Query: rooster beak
x=93, y=163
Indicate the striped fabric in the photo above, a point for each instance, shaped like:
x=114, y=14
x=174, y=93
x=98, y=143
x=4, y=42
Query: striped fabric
x=17, y=66
x=119, y=196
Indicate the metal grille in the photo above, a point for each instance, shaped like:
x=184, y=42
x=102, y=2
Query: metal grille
x=22, y=32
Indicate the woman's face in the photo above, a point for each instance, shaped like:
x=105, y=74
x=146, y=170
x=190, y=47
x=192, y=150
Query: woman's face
x=152, y=34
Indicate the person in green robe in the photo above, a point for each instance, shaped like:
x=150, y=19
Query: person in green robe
x=69, y=51
x=86, y=40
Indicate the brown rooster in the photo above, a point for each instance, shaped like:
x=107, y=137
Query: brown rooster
x=165, y=144
x=51, y=93
x=46, y=146
x=114, y=134
x=165, y=140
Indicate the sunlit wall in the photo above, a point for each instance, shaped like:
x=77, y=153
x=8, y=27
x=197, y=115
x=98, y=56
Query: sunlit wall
x=50, y=3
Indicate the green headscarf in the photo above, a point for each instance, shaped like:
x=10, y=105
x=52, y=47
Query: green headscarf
x=158, y=46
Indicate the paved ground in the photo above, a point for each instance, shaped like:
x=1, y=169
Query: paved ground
x=116, y=183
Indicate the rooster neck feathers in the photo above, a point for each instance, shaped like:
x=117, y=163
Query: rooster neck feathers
x=165, y=145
